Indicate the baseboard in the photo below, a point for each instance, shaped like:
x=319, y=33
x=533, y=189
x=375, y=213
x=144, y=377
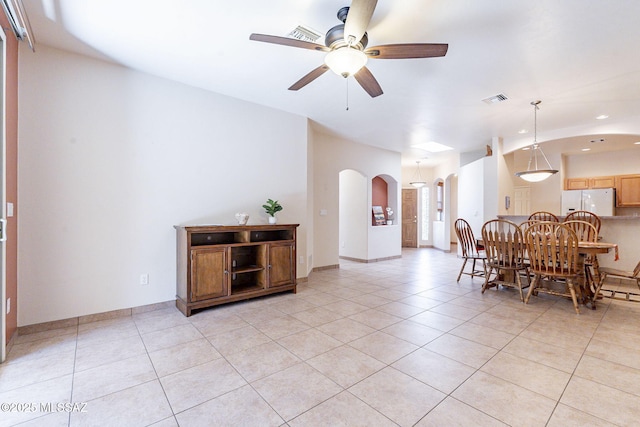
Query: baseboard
x=75, y=321
x=366, y=261
x=326, y=267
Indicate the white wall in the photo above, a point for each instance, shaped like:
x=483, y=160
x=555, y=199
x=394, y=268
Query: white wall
x=602, y=164
x=331, y=156
x=471, y=194
x=354, y=213
x=446, y=170
x=110, y=159
x=453, y=180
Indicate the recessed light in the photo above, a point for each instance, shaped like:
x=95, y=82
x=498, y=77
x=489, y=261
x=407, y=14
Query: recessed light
x=602, y=117
x=586, y=149
x=637, y=143
x=521, y=131
x=526, y=148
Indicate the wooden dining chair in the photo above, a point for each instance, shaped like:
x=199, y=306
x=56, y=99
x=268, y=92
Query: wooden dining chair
x=527, y=223
x=587, y=232
x=553, y=256
x=470, y=250
x=504, y=247
x=543, y=216
x=587, y=216
x=594, y=220
x=612, y=273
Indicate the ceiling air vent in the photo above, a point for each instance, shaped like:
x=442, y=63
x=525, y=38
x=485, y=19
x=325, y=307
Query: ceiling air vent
x=495, y=99
x=305, y=34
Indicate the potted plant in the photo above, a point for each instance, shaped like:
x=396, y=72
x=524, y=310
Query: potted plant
x=271, y=208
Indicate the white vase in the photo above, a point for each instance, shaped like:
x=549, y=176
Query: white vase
x=273, y=220
x=242, y=218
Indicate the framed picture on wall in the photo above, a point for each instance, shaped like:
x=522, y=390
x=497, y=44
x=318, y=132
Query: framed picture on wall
x=378, y=215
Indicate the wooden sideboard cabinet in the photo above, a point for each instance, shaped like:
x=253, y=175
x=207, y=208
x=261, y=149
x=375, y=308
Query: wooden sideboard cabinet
x=628, y=190
x=219, y=264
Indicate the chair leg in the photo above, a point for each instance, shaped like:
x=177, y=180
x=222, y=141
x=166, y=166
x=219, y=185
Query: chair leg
x=461, y=270
x=519, y=283
x=532, y=286
x=573, y=295
x=486, y=279
x=603, y=276
x=596, y=268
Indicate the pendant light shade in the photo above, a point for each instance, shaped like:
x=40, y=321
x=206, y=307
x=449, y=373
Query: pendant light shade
x=418, y=181
x=535, y=172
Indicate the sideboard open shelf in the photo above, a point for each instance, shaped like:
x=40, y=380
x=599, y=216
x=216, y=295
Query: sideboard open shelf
x=219, y=264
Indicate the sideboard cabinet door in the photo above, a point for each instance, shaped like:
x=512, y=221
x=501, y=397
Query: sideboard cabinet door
x=209, y=274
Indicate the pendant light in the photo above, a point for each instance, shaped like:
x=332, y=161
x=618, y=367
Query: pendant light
x=418, y=181
x=536, y=174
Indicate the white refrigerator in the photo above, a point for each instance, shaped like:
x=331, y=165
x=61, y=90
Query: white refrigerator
x=601, y=201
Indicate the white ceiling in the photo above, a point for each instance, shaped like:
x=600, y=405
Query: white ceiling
x=580, y=57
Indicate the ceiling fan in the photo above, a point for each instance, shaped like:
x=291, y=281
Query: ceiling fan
x=346, y=47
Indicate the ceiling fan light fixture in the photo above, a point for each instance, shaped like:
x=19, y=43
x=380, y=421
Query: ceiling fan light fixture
x=533, y=172
x=345, y=61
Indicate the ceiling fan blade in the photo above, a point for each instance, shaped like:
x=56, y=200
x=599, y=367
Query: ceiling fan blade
x=368, y=82
x=286, y=41
x=409, y=50
x=358, y=18
x=314, y=74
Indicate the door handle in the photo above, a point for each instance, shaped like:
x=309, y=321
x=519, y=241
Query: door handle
x=3, y=230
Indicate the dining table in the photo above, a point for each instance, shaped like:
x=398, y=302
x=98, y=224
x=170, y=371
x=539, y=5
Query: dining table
x=588, y=284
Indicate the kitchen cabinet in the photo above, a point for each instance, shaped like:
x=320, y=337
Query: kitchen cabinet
x=628, y=190
x=589, y=183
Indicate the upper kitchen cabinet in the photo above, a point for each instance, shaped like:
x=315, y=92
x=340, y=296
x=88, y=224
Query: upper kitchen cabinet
x=589, y=183
x=627, y=190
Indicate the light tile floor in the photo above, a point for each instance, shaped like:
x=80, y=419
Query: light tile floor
x=397, y=342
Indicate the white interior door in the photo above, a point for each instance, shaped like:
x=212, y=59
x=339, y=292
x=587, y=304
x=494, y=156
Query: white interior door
x=521, y=202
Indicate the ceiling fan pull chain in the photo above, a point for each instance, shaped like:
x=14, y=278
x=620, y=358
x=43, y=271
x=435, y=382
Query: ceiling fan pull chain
x=347, y=80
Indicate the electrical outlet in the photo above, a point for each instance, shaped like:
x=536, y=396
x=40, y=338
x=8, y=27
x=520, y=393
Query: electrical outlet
x=8, y=305
x=144, y=279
